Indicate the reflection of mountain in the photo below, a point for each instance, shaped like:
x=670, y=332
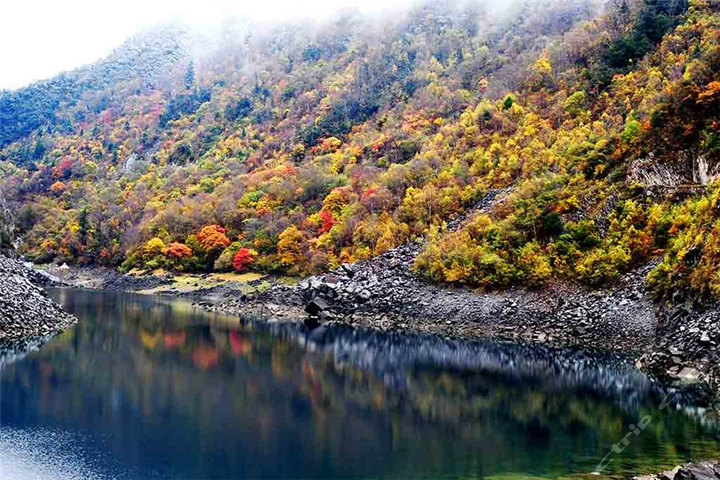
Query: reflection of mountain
x=391, y=355
x=192, y=396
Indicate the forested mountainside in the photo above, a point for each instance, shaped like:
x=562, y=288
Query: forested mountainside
x=298, y=147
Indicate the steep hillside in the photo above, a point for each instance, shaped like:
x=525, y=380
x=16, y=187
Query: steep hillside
x=300, y=147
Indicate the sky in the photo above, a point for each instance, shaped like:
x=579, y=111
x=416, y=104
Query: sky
x=41, y=38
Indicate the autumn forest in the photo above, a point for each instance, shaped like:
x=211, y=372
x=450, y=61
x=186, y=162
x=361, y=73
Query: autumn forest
x=294, y=148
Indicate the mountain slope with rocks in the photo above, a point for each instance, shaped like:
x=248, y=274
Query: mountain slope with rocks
x=385, y=292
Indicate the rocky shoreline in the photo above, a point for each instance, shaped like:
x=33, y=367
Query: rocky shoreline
x=676, y=345
x=25, y=309
x=690, y=471
x=383, y=293
x=676, y=342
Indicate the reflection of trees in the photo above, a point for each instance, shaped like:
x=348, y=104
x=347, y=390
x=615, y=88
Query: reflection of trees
x=174, y=339
x=234, y=394
x=240, y=343
x=205, y=356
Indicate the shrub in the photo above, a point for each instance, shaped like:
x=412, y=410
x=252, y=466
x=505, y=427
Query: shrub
x=533, y=265
x=177, y=255
x=603, y=264
x=224, y=262
x=154, y=247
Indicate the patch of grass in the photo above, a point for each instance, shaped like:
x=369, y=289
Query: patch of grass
x=188, y=282
x=238, y=277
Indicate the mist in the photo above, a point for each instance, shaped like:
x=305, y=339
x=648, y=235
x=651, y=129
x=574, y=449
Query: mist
x=43, y=38
x=39, y=39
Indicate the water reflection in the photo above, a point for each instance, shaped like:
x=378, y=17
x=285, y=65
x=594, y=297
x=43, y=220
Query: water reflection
x=165, y=391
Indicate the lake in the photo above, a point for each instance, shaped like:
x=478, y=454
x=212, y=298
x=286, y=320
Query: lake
x=145, y=387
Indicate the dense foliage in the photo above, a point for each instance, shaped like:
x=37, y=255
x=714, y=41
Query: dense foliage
x=577, y=213
x=302, y=147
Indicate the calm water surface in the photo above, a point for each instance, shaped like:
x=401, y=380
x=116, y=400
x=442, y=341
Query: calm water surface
x=150, y=388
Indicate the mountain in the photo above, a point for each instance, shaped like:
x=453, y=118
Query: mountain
x=144, y=58
x=294, y=148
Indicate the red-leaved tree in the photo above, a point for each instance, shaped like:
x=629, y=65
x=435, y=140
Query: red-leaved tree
x=328, y=221
x=243, y=258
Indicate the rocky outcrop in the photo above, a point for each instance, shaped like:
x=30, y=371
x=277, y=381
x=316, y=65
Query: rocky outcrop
x=687, y=350
x=650, y=173
x=685, y=169
x=25, y=309
x=691, y=471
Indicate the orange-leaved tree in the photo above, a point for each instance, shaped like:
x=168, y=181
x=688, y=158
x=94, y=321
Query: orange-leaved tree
x=212, y=238
x=178, y=251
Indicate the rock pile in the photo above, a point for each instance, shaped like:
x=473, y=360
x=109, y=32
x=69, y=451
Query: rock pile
x=691, y=471
x=688, y=347
x=384, y=293
x=25, y=309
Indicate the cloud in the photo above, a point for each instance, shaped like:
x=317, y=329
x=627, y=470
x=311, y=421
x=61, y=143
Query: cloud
x=40, y=38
